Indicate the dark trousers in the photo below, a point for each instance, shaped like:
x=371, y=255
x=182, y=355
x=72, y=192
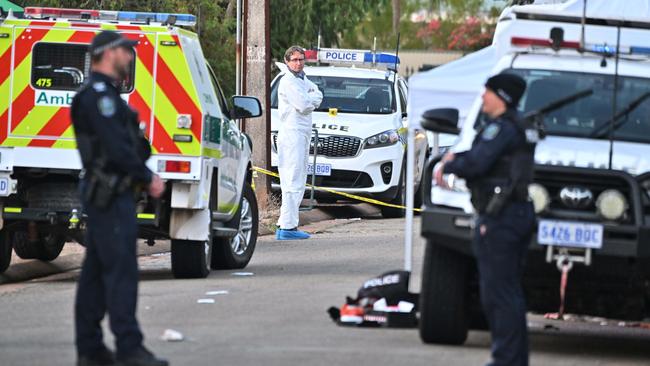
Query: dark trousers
x=109, y=278
x=500, y=245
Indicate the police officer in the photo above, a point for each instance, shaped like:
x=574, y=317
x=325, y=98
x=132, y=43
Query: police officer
x=113, y=153
x=498, y=169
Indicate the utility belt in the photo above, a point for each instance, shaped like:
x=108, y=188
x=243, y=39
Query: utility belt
x=102, y=187
x=491, y=199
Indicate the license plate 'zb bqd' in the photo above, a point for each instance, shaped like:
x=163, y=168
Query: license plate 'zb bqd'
x=570, y=234
x=321, y=169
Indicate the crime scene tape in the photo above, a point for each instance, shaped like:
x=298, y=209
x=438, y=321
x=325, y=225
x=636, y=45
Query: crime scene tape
x=347, y=195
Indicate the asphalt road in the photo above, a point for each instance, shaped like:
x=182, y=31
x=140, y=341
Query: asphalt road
x=277, y=315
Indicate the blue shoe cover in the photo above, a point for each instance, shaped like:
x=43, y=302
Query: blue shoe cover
x=281, y=234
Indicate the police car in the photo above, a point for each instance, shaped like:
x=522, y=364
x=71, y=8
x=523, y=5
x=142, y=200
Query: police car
x=209, y=211
x=361, y=127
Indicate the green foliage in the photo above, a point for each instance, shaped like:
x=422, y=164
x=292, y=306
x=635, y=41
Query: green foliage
x=299, y=21
x=216, y=29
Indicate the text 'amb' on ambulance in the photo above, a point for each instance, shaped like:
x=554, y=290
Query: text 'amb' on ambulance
x=361, y=125
x=209, y=211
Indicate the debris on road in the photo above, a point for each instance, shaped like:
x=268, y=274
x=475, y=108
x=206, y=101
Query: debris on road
x=219, y=292
x=170, y=335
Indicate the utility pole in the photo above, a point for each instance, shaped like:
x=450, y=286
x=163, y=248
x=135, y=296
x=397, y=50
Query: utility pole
x=256, y=71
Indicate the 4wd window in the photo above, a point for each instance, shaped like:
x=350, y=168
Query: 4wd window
x=62, y=66
x=589, y=117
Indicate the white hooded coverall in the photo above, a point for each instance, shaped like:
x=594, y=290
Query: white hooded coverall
x=297, y=98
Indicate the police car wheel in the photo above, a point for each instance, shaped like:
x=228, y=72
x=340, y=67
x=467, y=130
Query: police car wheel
x=191, y=258
x=444, y=315
x=5, y=250
x=236, y=252
x=400, y=199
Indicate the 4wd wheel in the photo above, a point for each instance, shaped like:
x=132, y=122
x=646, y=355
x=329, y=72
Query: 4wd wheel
x=191, y=258
x=46, y=248
x=5, y=250
x=236, y=252
x=394, y=212
x=444, y=315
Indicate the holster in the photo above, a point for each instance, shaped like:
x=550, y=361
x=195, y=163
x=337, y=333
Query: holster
x=103, y=187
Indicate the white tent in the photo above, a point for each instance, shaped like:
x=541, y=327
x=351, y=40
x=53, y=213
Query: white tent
x=454, y=84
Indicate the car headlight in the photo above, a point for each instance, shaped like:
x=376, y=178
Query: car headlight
x=611, y=204
x=540, y=197
x=385, y=138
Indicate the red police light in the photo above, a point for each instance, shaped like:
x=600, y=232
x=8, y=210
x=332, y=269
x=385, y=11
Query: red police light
x=539, y=42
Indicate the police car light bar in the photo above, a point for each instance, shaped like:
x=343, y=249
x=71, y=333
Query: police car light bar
x=42, y=13
x=351, y=56
x=127, y=16
x=541, y=42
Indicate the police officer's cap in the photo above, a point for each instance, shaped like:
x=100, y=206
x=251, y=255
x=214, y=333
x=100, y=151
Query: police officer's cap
x=107, y=40
x=509, y=87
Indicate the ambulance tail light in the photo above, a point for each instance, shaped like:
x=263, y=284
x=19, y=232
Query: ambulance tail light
x=541, y=42
x=174, y=166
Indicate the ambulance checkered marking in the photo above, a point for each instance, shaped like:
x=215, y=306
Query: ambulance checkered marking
x=50, y=126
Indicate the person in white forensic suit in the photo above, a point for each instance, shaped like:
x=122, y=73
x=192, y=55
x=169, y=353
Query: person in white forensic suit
x=297, y=99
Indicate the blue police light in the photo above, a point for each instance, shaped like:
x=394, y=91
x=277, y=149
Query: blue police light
x=640, y=50
x=603, y=48
x=381, y=58
x=136, y=16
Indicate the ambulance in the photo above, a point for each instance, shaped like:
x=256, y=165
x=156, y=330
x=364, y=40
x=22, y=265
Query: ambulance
x=209, y=211
x=588, y=83
x=359, y=129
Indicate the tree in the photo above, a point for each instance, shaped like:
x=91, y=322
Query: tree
x=300, y=21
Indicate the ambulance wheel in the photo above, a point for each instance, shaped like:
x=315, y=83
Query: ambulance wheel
x=46, y=248
x=444, y=315
x=191, y=258
x=400, y=199
x=236, y=252
x=5, y=250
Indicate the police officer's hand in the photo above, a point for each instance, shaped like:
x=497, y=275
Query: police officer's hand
x=156, y=187
x=438, y=172
x=448, y=157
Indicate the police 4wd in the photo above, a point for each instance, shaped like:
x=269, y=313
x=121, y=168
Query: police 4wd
x=209, y=211
x=591, y=187
x=360, y=127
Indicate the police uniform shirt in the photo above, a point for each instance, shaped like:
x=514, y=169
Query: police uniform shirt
x=498, y=137
x=101, y=121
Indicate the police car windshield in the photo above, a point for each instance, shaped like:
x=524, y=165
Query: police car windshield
x=587, y=116
x=350, y=95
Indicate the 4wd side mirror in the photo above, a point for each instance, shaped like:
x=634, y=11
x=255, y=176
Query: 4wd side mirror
x=442, y=120
x=245, y=107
